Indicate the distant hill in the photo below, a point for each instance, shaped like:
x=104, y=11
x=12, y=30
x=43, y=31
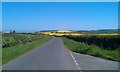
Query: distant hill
x=102, y=31
x=56, y=31
x=62, y=31
x=48, y=31
x=99, y=31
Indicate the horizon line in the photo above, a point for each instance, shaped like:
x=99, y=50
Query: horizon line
x=59, y=29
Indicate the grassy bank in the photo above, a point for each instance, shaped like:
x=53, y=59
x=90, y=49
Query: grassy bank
x=0, y=50
x=93, y=50
x=0, y=56
x=13, y=52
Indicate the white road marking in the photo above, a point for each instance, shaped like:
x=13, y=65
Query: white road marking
x=75, y=61
x=77, y=53
x=0, y=68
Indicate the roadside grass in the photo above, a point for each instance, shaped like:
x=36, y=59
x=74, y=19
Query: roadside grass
x=0, y=56
x=93, y=50
x=13, y=52
x=0, y=51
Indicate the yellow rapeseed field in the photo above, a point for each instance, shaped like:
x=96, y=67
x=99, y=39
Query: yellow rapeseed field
x=70, y=33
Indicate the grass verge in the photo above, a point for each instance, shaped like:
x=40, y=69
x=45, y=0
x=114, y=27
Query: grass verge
x=13, y=52
x=93, y=50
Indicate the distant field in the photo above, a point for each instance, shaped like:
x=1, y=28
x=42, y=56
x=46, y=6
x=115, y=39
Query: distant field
x=17, y=45
x=78, y=34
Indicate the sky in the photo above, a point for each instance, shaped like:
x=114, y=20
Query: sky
x=60, y=0
x=0, y=16
x=37, y=16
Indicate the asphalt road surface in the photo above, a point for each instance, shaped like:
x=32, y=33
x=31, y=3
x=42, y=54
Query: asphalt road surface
x=53, y=55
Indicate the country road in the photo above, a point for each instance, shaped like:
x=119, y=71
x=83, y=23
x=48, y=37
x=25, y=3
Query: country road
x=53, y=55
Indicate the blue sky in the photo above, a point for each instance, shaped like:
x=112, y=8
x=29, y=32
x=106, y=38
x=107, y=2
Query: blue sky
x=32, y=16
x=0, y=16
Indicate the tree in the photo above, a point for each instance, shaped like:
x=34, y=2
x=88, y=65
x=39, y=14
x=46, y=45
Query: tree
x=14, y=31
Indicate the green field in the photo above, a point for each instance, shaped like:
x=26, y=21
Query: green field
x=93, y=50
x=16, y=48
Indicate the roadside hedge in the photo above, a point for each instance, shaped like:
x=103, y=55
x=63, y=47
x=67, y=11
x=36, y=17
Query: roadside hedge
x=106, y=42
